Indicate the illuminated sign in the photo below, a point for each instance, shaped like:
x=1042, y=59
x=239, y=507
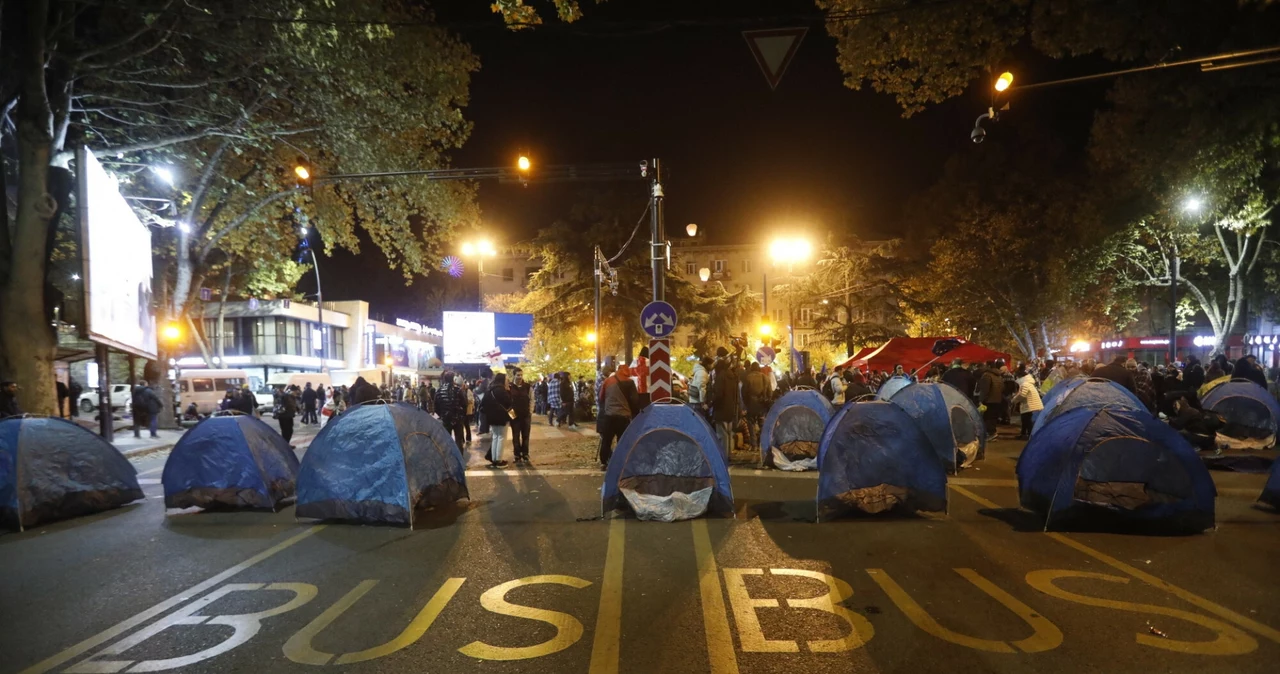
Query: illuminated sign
x=1154, y=342
x=418, y=327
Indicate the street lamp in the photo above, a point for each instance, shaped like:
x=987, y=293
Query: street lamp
x=1004, y=81
x=171, y=332
x=1192, y=205
x=302, y=172
x=591, y=338
x=789, y=250
x=523, y=163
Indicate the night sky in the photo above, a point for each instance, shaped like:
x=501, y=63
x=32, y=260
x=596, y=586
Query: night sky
x=741, y=160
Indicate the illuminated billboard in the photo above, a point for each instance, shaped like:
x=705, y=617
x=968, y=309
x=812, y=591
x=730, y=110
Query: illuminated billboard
x=471, y=336
x=115, y=248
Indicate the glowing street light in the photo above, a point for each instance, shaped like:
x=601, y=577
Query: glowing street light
x=766, y=329
x=523, y=163
x=1004, y=81
x=1193, y=205
x=790, y=250
x=591, y=338
x=302, y=172
x=171, y=332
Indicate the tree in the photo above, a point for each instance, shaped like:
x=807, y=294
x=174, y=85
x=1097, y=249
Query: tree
x=285, y=78
x=854, y=294
x=553, y=349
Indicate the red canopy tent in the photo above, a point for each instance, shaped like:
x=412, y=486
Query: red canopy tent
x=916, y=353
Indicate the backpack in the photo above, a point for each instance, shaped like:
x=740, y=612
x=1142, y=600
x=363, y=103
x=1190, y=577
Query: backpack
x=828, y=390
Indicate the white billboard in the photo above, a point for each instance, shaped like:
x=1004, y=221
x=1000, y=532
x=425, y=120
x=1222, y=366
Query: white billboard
x=468, y=336
x=115, y=248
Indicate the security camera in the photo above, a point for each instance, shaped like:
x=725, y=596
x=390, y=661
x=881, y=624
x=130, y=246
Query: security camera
x=978, y=134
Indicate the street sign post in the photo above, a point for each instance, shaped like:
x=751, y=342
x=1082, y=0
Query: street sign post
x=658, y=320
x=765, y=356
x=659, y=369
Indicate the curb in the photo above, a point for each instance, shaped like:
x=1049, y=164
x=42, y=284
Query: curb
x=143, y=451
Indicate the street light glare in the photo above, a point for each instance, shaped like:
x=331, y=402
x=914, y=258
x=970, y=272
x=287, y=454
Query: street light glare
x=591, y=338
x=766, y=329
x=790, y=250
x=302, y=172
x=1193, y=204
x=164, y=173
x=172, y=332
x=523, y=163
x=486, y=247
x=1004, y=81
x=468, y=248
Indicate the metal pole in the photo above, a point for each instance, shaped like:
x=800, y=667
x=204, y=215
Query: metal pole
x=324, y=337
x=791, y=329
x=765, y=281
x=657, y=244
x=1173, y=310
x=104, y=394
x=598, y=273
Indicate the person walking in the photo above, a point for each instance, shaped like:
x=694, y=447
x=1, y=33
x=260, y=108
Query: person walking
x=308, y=405
x=990, y=390
x=451, y=406
x=286, y=410
x=1028, y=400
x=724, y=400
x=497, y=413
x=553, y=400
x=146, y=409
x=619, y=403
x=522, y=404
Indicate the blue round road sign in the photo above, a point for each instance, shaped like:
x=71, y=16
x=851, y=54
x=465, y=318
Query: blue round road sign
x=658, y=320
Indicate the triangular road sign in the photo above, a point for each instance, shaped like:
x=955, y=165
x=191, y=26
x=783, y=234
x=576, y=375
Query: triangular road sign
x=773, y=50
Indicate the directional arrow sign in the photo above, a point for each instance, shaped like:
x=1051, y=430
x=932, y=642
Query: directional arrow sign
x=658, y=319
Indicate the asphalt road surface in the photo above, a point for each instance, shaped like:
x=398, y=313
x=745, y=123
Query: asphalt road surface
x=526, y=578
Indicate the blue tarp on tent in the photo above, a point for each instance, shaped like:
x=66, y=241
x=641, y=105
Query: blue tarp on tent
x=52, y=469
x=379, y=463
x=1271, y=491
x=891, y=386
x=948, y=418
x=1093, y=394
x=231, y=461
x=1125, y=461
x=873, y=458
x=1251, y=413
x=797, y=416
x=667, y=448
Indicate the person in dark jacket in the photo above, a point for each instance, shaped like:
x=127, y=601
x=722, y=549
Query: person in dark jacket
x=321, y=395
x=522, y=403
x=247, y=402
x=857, y=387
x=361, y=392
x=146, y=409
x=619, y=402
x=286, y=410
x=63, y=394
x=753, y=399
x=9, y=400
x=497, y=412
x=806, y=379
x=1247, y=368
x=566, y=402
x=990, y=390
x=959, y=377
x=1193, y=374
x=451, y=406
x=1116, y=372
x=308, y=405
x=724, y=400
x=74, y=389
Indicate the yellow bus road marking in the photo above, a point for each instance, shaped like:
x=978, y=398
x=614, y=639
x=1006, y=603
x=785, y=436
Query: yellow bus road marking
x=186, y=595
x=720, y=652
x=608, y=634
x=1186, y=595
x=568, y=628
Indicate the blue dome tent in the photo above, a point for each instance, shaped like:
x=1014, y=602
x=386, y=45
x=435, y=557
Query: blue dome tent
x=793, y=429
x=230, y=461
x=379, y=463
x=875, y=458
x=52, y=469
x=1121, y=461
x=1094, y=394
x=891, y=386
x=1252, y=415
x=668, y=466
x=1271, y=491
x=948, y=418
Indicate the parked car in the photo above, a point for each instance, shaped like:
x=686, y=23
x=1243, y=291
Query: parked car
x=121, y=397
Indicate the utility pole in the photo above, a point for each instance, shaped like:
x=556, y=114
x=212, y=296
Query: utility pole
x=1173, y=307
x=658, y=240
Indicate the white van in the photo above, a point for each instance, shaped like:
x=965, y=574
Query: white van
x=206, y=388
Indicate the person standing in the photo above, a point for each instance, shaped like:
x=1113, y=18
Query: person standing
x=566, y=402
x=497, y=413
x=959, y=377
x=424, y=398
x=1118, y=373
x=9, y=400
x=522, y=403
x=451, y=407
x=308, y=405
x=553, y=400
x=468, y=408
x=1028, y=400
x=640, y=372
x=698, y=384
x=753, y=398
x=619, y=403
x=724, y=400
x=540, y=396
x=63, y=394
x=286, y=410
x=74, y=389
x=321, y=395
x=246, y=402
x=146, y=409
x=991, y=395
x=482, y=389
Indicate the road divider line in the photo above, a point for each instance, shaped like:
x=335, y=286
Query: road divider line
x=606, y=643
x=1186, y=595
x=172, y=602
x=720, y=651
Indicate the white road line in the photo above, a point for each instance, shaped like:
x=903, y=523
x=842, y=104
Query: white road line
x=186, y=595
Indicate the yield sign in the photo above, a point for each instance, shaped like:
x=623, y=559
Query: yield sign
x=773, y=50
